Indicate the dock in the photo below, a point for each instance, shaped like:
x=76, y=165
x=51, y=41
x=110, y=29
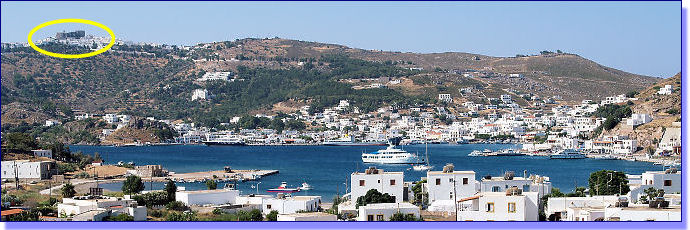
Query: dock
x=222, y=175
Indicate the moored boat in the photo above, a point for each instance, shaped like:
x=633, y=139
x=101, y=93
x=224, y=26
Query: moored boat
x=568, y=154
x=283, y=189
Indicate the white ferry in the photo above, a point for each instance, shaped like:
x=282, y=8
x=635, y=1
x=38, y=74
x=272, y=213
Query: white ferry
x=223, y=139
x=568, y=154
x=350, y=141
x=392, y=155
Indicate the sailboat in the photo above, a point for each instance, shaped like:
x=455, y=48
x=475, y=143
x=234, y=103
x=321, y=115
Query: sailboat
x=424, y=167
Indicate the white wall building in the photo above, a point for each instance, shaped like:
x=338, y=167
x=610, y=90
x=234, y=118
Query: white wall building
x=78, y=205
x=500, y=206
x=669, y=180
x=43, y=153
x=373, y=178
x=287, y=205
x=666, y=90
x=642, y=213
x=308, y=216
x=638, y=119
x=448, y=185
x=200, y=94
x=211, y=76
x=445, y=97
x=204, y=197
x=567, y=208
x=28, y=170
x=534, y=183
x=384, y=211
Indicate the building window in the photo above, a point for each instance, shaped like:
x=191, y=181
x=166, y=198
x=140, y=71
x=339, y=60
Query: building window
x=525, y=188
x=450, y=179
x=370, y=218
x=511, y=207
x=496, y=189
x=490, y=207
x=361, y=182
x=392, y=182
x=379, y=181
x=438, y=181
x=268, y=206
x=379, y=217
x=465, y=180
x=667, y=183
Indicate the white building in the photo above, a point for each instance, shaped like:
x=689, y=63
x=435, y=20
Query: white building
x=291, y=204
x=43, y=153
x=612, y=145
x=642, y=213
x=513, y=205
x=307, y=216
x=373, y=178
x=116, y=205
x=506, y=98
x=666, y=90
x=200, y=94
x=448, y=185
x=515, y=75
x=384, y=211
x=571, y=208
x=671, y=140
x=25, y=169
x=51, y=123
x=204, y=197
x=638, y=119
x=534, y=183
x=211, y=76
x=111, y=118
x=669, y=180
x=445, y=97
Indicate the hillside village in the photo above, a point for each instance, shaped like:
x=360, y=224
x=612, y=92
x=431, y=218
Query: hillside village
x=283, y=92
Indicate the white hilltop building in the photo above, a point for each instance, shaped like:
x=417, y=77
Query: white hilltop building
x=666, y=90
x=212, y=76
x=200, y=94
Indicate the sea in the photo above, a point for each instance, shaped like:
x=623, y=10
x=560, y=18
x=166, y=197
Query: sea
x=328, y=168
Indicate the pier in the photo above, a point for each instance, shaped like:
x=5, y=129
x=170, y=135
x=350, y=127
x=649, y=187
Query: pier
x=222, y=175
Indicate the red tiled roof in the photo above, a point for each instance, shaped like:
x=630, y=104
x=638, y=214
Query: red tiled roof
x=11, y=212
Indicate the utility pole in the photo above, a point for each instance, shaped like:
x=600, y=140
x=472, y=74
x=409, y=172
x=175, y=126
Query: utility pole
x=16, y=175
x=455, y=198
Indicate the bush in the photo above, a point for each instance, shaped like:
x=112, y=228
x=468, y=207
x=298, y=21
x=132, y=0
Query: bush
x=272, y=216
x=68, y=190
x=176, y=206
x=152, y=198
x=185, y=216
x=121, y=217
x=403, y=217
x=132, y=185
x=157, y=213
x=218, y=211
x=211, y=184
x=373, y=196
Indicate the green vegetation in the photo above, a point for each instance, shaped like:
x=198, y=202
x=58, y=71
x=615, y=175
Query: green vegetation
x=184, y=216
x=211, y=184
x=120, y=217
x=373, y=196
x=176, y=206
x=133, y=185
x=608, y=182
x=170, y=189
x=67, y=190
x=20, y=142
x=152, y=198
x=272, y=216
x=613, y=113
x=402, y=217
x=650, y=193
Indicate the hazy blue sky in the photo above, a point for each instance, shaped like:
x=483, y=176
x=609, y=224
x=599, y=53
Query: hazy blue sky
x=638, y=37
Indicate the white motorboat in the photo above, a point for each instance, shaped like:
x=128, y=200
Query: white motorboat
x=391, y=155
x=476, y=153
x=305, y=186
x=568, y=154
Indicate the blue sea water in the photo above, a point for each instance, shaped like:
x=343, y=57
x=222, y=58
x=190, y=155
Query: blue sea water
x=327, y=168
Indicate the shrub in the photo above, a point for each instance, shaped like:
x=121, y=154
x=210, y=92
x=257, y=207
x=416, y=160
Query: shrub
x=272, y=216
x=176, y=206
x=133, y=185
x=121, y=217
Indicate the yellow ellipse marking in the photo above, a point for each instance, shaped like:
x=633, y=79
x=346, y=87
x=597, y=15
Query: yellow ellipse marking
x=72, y=20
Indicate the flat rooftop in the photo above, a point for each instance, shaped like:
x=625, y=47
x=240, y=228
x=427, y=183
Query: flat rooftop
x=306, y=214
x=206, y=191
x=453, y=172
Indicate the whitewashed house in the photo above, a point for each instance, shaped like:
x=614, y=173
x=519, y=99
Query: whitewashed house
x=115, y=205
x=200, y=94
x=291, y=204
x=384, y=211
x=638, y=119
x=25, y=169
x=666, y=90
x=205, y=197
x=513, y=205
x=373, y=178
x=445, y=97
x=669, y=180
x=449, y=185
x=308, y=216
x=43, y=153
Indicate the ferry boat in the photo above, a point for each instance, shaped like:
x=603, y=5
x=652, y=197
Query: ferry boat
x=568, y=154
x=463, y=141
x=509, y=152
x=607, y=157
x=350, y=141
x=283, y=189
x=391, y=155
x=223, y=139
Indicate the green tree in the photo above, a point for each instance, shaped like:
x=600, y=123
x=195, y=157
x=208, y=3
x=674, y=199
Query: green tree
x=21, y=142
x=650, y=193
x=176, y=206
x=373, y=196
x=211, y=184
x=121, y=217
x=608, y=182
x=170, y=189
x=402, y=217
x=185, y=216
x=272, y=216
x=132, y=185
x=68, y=190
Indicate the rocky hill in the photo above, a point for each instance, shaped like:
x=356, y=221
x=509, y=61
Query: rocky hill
x=664, y=110
x=158, y=81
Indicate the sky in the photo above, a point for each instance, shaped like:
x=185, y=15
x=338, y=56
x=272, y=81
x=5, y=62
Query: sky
x=637, y=37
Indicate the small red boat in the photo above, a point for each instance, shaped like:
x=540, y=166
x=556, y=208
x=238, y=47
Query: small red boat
x=283, y=189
